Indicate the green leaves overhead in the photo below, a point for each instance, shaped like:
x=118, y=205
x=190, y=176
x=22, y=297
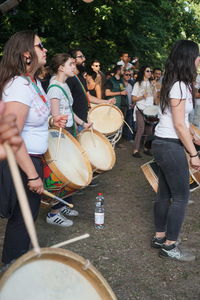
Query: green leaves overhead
x=144, y=28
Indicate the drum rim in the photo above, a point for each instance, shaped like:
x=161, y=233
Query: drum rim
x=58, y=173
x=77, y=262
x=149, y=107
x=99, y=134
x=110, y=105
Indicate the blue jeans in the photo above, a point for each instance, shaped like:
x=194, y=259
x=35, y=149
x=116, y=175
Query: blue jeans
x=173, y=187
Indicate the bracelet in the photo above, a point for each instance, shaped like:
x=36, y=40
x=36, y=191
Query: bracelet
x=194, y=155
x=51, y=122
x=30, y=179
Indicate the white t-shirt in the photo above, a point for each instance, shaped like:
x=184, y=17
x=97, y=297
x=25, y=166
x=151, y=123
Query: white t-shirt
x=165, y=127
x=65, y=104
x=138, y=91
x=35, y=131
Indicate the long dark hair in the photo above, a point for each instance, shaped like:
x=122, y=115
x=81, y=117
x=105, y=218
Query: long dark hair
x=140, y=75
x=180, y=66
x=13, y=62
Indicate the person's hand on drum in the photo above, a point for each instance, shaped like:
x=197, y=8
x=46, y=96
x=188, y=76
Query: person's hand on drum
x=8, y=132
x=111, y=101
x=196, y=139
x=60, y=120
x=36, y=185
x=87, y=125
x=195, y=162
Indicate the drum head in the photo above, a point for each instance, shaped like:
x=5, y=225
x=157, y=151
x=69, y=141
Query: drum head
x=56, y=274
x=70, y=162
x=98, y=148
x=151, y=110
x=106, y=118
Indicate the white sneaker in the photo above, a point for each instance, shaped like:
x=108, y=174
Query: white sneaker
x=66, y=211
x=58, y=220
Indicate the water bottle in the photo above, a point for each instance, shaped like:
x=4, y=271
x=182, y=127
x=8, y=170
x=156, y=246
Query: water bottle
x=99, y=212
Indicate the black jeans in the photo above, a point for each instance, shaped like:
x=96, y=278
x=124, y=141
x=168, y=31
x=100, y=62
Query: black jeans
x=173, y=187
x=17, y=241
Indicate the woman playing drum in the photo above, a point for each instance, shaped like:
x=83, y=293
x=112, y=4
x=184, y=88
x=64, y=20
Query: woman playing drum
x=23, y=55
x=61, y=100
x=172, y=138
x=143, y=95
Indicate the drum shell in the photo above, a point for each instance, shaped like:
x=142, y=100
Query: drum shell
x=151, y=169
x=75, y=263
x=56, y=181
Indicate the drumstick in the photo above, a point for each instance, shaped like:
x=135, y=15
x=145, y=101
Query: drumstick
x=23, y=202
x=58, y=144
x=109, y=109
x=57, y=198
x=128, y=126
x=92, y=136
x=84, y=236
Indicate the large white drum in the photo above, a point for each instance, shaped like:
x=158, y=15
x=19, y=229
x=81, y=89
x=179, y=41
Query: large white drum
x=106, y=118
x=98, y=148
x=56, y=274
x=66, y=165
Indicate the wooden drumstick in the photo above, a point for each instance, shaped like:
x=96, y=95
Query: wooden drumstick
x=23, y=202
x=57, y=198
x=128, y=126
x=92, y=136
x=109, y=109
x=58, y=143
x=84, y=236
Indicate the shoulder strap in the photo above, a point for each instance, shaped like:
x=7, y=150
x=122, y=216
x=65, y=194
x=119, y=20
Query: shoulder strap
x=64, y=92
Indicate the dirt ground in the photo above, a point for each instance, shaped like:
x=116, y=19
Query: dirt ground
x=121, y=252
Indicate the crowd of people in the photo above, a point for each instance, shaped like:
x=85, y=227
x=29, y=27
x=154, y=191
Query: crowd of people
x=36, y=97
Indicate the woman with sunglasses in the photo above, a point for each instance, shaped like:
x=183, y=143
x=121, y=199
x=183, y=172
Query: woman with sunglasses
x=143, y=95
x=63, y=67
x=22, y=92
x=173, y=139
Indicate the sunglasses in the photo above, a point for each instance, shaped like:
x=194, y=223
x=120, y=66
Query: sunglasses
x=97, y=65
x=40, y=45
x=127, y=74
x=148, y=71
x=80, y=56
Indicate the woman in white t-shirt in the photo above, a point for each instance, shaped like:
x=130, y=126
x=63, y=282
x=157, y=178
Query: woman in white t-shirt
x=172, y=138
x=143, y=95
x=61, y=100
x=23, y=55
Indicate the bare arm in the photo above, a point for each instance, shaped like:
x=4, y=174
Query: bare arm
x=96, y=100
x=178, y=116
x=55, y=106
x=98, y=91
x=109, y=93
x=23, y=159
x=139, y=98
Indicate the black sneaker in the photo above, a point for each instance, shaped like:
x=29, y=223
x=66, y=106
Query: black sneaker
x=174, y=252
x=157, y=242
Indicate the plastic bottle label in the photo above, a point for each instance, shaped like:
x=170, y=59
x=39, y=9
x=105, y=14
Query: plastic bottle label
x=99, y=218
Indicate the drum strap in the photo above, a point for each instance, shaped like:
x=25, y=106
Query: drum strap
x=66, y=96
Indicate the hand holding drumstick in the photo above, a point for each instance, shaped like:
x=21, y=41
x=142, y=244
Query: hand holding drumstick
x=8, y=132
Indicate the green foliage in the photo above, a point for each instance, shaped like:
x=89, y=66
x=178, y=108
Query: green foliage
x=102, y=29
